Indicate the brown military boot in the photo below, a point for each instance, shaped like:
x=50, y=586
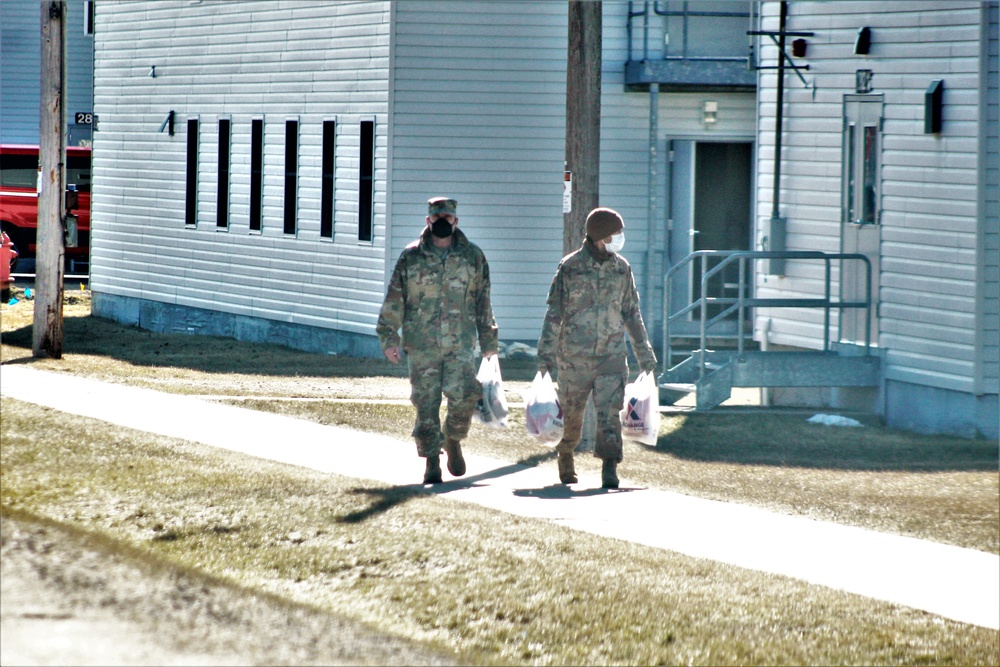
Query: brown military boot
x=456, y=463
x=567, y=475
x=609, y=474
x=432, y=473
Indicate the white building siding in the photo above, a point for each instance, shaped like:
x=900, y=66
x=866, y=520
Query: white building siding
x=20, y=70
x=479, y=115
x=272, y=60
x=929, y=183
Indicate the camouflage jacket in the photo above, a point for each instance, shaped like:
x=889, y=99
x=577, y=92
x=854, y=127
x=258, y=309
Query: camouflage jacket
x=442, y=303
x=591, y=306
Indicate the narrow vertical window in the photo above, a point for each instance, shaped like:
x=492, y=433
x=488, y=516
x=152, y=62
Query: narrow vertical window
x=88, y=17
x=222, y=207
x=326, y=194
x=256, y=173
x=860, y=176
x=366, y=189
x=870, y=175
x=852, y=213
x=291, y=173
x=191, y=187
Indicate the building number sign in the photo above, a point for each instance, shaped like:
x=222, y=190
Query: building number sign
x=84, y=118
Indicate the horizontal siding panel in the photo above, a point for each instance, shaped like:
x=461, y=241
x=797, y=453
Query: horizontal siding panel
x=902, y=369
x=928, y=254
x=920, y=284
x=950, y=319
x=938, y=234
x=930, y=302
x=925, y=268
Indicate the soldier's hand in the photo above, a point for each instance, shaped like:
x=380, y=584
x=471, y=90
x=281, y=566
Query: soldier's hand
x=393, y=354
x=649, y=368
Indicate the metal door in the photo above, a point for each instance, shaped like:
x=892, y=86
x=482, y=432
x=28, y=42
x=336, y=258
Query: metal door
x=709, y=207
x=721, y=208
x=861, y=229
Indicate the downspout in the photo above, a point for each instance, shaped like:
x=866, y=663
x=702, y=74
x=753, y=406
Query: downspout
x=765, y=345
x=778, y=114
x=776, y=240
x=651, y=220
x=668, y=261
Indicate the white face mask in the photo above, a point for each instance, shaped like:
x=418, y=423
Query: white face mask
x=616, y=243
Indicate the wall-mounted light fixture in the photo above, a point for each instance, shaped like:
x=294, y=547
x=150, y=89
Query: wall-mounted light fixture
x=799, y=47
x=863, y=43
x=168, y=123
x=152, y=71
x=933, y=105
x=710, y=113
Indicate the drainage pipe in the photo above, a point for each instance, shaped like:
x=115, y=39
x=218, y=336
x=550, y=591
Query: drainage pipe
x=651, y=218
x=765, y=345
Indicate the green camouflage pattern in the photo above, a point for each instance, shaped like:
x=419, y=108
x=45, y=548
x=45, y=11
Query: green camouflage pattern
x=437, y=205
x=592, y=304
x=440, y=301
x=454, y=375
x=578, y=376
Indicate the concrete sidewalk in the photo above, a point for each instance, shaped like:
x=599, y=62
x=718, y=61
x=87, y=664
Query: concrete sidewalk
x=960, y=584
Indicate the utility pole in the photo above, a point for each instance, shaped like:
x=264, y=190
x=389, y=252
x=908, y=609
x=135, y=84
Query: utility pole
x=583, y=118
x=47, y=333
x=583, y=142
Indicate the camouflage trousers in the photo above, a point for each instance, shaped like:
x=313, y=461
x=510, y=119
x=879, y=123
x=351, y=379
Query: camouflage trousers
x=606, y=377
x=452, y=374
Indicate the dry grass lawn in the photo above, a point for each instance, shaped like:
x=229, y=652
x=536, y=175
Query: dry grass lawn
x=488, y=587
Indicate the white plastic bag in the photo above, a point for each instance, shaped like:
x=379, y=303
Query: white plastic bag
x=491, y=409
x=641, y=415
x=542, y=412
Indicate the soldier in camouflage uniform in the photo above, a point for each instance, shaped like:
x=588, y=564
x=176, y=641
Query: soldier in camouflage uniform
x=592, y=304
x=439, y=294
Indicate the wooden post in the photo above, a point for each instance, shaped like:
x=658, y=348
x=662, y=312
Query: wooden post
x=47, y=334
x=583, y=117
x=583, y=141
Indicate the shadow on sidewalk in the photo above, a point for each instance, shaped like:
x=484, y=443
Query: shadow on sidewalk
x=564, y=492
x=388, y=497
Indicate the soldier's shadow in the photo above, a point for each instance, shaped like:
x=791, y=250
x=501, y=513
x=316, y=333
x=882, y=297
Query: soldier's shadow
x=564, y=492
x=388, y=497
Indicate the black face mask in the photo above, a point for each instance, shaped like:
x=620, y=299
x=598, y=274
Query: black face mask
x=441, y=228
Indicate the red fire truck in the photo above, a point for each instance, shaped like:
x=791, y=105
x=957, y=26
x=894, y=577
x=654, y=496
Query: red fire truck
x=19, y=188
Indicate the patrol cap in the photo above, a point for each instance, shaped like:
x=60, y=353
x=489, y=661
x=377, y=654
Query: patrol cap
x=604, y=222
x=437, y=205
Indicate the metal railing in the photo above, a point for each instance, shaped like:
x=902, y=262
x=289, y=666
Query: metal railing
x=743, y=301
x=685, y=15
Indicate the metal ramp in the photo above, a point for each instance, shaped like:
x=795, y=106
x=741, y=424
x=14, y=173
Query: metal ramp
x=712, y=374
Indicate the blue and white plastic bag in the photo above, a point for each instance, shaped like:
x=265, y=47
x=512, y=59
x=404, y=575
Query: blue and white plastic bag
x=640, y=416
x=491, y=408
